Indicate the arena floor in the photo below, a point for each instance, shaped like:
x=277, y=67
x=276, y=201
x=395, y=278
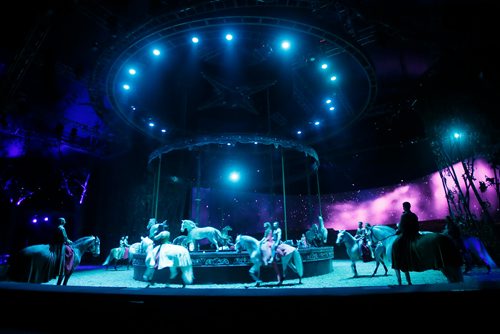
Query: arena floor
x=97, y=295
x=340, y=277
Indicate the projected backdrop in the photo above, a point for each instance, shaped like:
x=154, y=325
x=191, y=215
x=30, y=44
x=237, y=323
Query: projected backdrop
x=246, y=212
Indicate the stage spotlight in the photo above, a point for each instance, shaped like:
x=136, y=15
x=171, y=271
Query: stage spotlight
x=195, y=40
x=229, y=37
x=285, y=45
x=234, y=176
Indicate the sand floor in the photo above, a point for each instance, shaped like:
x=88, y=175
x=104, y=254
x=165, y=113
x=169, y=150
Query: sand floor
x=340, y=277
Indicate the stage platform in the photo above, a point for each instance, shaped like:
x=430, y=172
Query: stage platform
x=211, y=267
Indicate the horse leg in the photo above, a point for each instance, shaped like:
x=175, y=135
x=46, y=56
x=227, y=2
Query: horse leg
x=385, y=267
x=398, y=276
x=407, y=276
x=66, y=278
x=255, y=273
x=216, y=244
x=376, y=268
x=453, y=274
x=354, y=270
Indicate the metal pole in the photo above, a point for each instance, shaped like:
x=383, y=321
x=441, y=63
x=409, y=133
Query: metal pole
x=284, y=194
x=158, y=187
x=319, y=193
x=153, y=196
x=198, y=185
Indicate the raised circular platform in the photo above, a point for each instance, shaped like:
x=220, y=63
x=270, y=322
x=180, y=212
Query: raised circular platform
x=221, y=267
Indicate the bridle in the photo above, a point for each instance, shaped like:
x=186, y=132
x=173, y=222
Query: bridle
x=375, y=240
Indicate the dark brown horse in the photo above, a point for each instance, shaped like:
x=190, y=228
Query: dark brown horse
x=38, y=263
x=430, y=251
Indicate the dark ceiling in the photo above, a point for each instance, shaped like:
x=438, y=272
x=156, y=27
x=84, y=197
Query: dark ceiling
x=405, y=69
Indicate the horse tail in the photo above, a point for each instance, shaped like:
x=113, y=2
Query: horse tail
x=299, y=265
x=108, y=259
x=220, y=238
x=187, y=274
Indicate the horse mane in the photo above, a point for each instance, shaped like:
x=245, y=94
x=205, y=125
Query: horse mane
x=84, y=240
x=247, y=238
x=190, y=222
x=384, y=227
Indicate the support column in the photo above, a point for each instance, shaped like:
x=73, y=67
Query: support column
x=158, y=187
x=319, y=193
x=284, y=192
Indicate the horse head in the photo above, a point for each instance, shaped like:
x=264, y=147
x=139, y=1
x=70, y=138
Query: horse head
x=95, y=247
x=89, y=244
x=187, y=225
x=146, y=243
x=340, y=237
x=152, y=221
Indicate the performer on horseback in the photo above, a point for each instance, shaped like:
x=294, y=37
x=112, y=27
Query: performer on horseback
x=161, y=236
x=276, y=238
x=61, y=245
x=124, y=248
x=266, y=244
x=364, y=248
x=407, y=233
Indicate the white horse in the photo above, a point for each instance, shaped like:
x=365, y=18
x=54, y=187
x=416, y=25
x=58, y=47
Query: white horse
x=195, y=233
x=170, y=256
x=290, y=257
x=117, y=254
x=354, y=252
